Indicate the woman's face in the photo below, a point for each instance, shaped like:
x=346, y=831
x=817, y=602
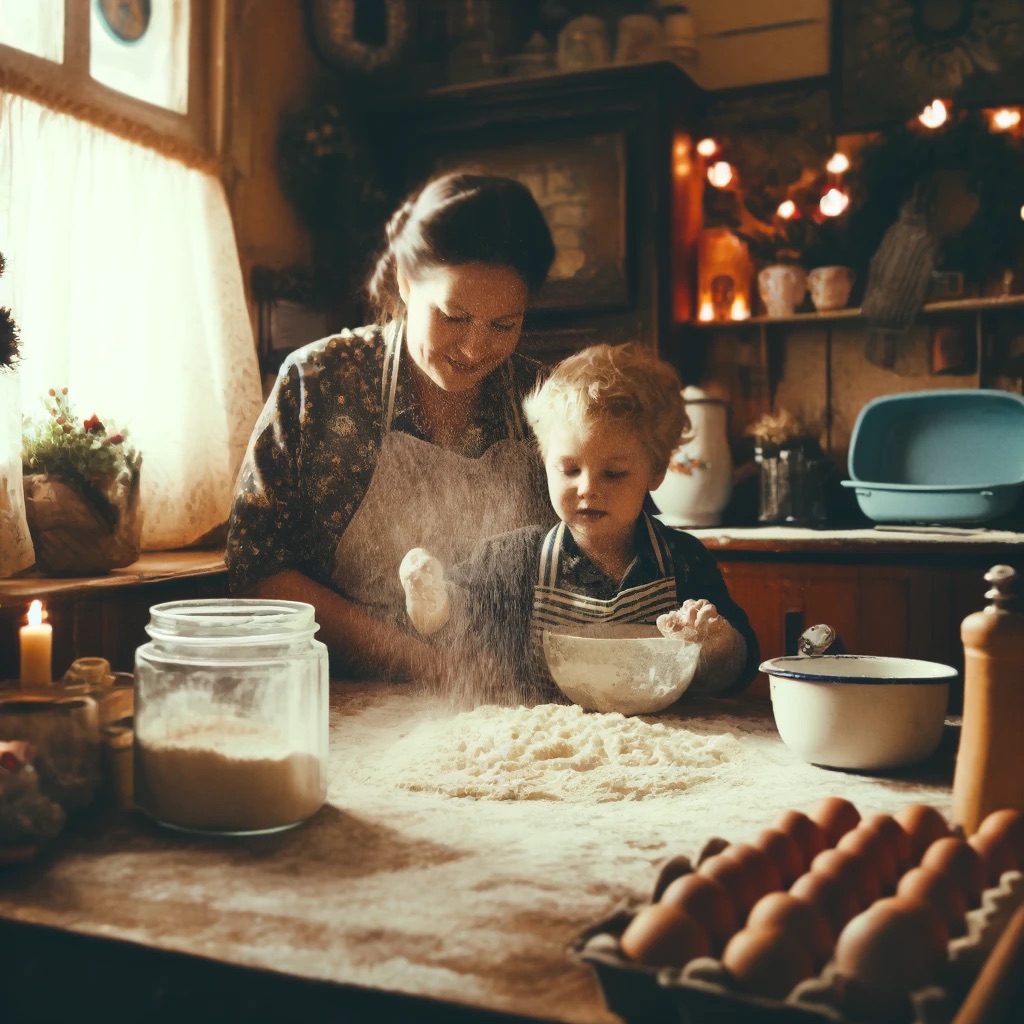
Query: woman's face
x=462, y=321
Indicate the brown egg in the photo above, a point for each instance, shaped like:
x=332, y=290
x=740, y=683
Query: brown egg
x=894, y=947
x=761, y=869
x=785, y=853
x=708, y=902
x=767, y=961
x=672, y=869
x=894, y=836
x=940, y=892
x=663, y=936
x=802, y=918
x=837, y=901
x=1006, y=823
x=923, y=824
x=875, y=852
x=855, y=872
x=735, y=877
x=997, y=854
x=961, y=862
x=836, y=816
x=808, y=834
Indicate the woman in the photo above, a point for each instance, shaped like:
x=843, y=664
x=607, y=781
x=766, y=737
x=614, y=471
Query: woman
x=405, y=434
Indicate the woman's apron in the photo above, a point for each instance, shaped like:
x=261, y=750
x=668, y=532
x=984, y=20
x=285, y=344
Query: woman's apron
x=421, y=495
x=556, y=608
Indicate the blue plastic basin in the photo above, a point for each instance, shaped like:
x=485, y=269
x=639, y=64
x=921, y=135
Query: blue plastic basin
x=953, y=456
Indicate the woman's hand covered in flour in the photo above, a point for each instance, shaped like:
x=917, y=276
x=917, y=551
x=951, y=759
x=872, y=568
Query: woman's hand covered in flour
x=426, y=597
x=694, y=620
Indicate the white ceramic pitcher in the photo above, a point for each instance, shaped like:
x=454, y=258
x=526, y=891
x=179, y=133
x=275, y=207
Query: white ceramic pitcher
x=698, y=484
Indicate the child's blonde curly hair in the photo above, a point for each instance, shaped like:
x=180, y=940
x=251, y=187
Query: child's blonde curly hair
x=629, y=383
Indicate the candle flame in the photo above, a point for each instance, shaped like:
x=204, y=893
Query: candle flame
x=740, y=310
x=707, y=147
x=36, y=613
x=707, y=312
x=787, y=209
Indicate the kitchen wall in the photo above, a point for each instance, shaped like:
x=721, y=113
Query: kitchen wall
x=275, y=71
x=741, y=42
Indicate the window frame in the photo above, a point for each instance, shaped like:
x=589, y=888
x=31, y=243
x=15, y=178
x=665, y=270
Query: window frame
x=69, y=85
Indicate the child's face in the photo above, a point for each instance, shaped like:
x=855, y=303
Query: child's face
x=598, y=478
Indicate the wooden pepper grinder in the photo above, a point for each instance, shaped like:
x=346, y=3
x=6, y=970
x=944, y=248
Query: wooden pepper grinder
x=990, y=764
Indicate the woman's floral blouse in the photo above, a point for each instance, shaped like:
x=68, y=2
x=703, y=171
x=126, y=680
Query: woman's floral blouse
x=314, y=450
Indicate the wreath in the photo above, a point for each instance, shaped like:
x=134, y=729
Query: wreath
x=333, y=26
x=972, y=181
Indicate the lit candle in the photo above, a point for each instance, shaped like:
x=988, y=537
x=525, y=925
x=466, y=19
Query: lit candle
x=36, y=647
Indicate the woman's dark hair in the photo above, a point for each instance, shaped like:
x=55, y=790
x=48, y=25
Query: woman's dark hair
x=462, y=218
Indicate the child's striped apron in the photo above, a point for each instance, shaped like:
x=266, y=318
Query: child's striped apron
x=554, y=608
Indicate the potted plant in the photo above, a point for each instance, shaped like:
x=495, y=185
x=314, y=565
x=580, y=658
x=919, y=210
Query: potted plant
x=81, y=491
x=826, y=257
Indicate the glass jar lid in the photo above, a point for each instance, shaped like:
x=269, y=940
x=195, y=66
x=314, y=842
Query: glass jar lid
x=238, y=620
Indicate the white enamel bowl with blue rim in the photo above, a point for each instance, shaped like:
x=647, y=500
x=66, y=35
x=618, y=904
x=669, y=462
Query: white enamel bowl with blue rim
x=858, y=711
x=631, y=669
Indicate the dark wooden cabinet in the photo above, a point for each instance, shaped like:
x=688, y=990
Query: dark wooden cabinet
x=609, y=156
x=900, y=605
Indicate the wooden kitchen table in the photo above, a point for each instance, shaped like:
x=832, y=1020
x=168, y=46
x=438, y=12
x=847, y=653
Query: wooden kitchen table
x=391, y=903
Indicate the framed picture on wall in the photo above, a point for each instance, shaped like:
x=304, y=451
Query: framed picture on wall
x=580, y=184
x=894, y=56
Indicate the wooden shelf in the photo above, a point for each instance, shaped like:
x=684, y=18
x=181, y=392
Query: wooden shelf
x=837, y=315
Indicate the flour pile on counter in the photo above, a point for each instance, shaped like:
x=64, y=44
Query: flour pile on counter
x=557, y=752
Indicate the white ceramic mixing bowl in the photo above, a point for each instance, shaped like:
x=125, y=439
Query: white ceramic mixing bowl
x=631, y=669
x=859, y=712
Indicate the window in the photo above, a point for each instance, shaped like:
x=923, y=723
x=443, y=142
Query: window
x=122, y=268
x=151, y=63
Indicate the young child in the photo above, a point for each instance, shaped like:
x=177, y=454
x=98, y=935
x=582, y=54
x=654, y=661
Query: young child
x=606, y=421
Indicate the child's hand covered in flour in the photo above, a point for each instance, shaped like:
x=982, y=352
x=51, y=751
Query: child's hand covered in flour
x=426, y=597
x=723, y=649
x=694, y=620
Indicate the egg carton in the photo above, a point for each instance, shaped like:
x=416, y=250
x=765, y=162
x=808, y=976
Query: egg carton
x=700, y=991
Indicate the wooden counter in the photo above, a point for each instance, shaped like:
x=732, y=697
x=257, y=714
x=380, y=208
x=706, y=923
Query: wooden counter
x=388, y=900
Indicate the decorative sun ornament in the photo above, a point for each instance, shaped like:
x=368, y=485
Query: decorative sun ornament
x=833, y=202
x=838, y=164
x=935, y=115
x=707, y=147
x=720, y=173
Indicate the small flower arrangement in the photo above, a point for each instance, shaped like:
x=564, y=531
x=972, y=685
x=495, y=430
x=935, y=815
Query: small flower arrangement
x=81, y=491
x=60, y=442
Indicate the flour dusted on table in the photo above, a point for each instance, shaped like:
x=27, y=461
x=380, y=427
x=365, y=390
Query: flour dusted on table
x=556, y=752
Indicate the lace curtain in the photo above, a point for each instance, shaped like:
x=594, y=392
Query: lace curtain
x=123, y=275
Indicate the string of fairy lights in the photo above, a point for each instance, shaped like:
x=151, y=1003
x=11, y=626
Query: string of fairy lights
x=834, y=198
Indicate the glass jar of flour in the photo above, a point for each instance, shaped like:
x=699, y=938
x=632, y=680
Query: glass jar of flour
x=231, y=716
